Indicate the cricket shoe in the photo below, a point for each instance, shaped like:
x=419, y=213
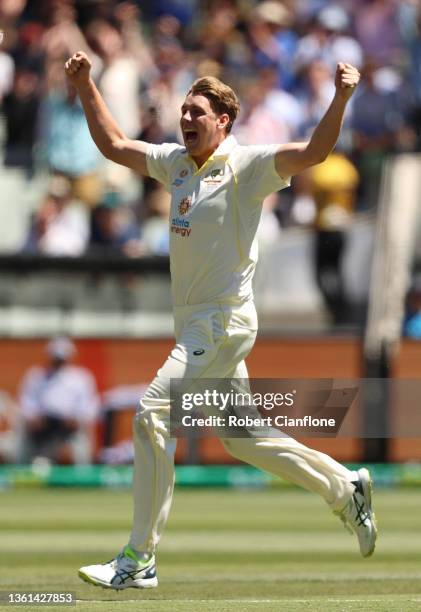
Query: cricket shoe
x=358, y=516
x=122, y=572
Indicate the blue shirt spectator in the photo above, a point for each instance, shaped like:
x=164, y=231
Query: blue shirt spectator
x=68, y=145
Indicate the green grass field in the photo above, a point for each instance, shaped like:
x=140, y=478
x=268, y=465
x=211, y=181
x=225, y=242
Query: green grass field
x=222, y=550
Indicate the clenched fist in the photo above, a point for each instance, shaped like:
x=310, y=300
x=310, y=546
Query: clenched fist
x=347, y=78
x=78, y=68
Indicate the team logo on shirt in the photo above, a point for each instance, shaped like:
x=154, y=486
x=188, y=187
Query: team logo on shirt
x=215, y=177
x=184, y=206
x=183, y=173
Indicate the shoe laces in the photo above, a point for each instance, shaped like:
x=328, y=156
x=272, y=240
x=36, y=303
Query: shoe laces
x=361, y=514
x=357, y=511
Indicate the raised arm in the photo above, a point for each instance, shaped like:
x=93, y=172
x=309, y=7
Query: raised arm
x=107, y=135
x=295, y=157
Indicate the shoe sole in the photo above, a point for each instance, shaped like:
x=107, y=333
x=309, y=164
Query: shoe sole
x=367, y=484
x=148, y=583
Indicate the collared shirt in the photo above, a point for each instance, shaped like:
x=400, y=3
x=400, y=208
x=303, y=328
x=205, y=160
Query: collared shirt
x=215, y=212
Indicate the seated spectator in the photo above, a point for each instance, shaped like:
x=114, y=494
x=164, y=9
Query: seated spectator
x=59, y=405
x=58, y=227
x=155, y=234
x=114, y=229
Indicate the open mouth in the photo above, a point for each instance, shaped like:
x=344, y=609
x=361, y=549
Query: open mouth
x=190, y=137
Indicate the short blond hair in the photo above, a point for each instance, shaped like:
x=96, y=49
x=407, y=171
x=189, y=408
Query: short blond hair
x=221, y=97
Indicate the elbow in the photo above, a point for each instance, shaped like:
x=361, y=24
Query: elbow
x=322, y=157
x=108, y=152
x=112, y=149
x=318, y=157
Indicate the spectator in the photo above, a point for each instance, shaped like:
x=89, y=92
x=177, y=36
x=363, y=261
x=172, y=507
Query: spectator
x=220, y=40
x=58, y=227
x=316, y=90
x=120, y=73
x=11, y=12
x=155, y=234
x=127, y=16
x=270, y=114
x=413, y=43
x=328, y=40
x=59, y=406
x=20, y=107
x=333, y=186
x=377, y=118
x=377, y=29
x=164, y=96
x=30, y=49
x=273, y=40
x=114, y=228
x=67, y=144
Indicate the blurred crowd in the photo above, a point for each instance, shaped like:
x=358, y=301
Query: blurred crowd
x=279, y=55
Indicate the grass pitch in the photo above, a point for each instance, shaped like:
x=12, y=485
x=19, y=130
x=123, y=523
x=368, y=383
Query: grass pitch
x=222, y=550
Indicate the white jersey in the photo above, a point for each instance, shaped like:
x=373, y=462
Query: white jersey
x=215, y=212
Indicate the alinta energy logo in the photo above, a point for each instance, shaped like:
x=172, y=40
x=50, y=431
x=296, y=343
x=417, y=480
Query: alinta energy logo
x=179, y=225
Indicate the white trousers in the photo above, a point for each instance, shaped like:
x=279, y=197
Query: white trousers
x=223, y=336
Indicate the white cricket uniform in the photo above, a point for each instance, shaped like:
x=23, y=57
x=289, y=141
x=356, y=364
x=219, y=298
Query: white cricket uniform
x=215, y=212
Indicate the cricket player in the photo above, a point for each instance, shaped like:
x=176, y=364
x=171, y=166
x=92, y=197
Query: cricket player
x=217, y=189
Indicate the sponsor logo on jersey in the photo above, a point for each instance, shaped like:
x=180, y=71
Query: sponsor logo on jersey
x=198, y=352
x=177, y=182
x=184, y=206
x=180, y=226
x=183, y=173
